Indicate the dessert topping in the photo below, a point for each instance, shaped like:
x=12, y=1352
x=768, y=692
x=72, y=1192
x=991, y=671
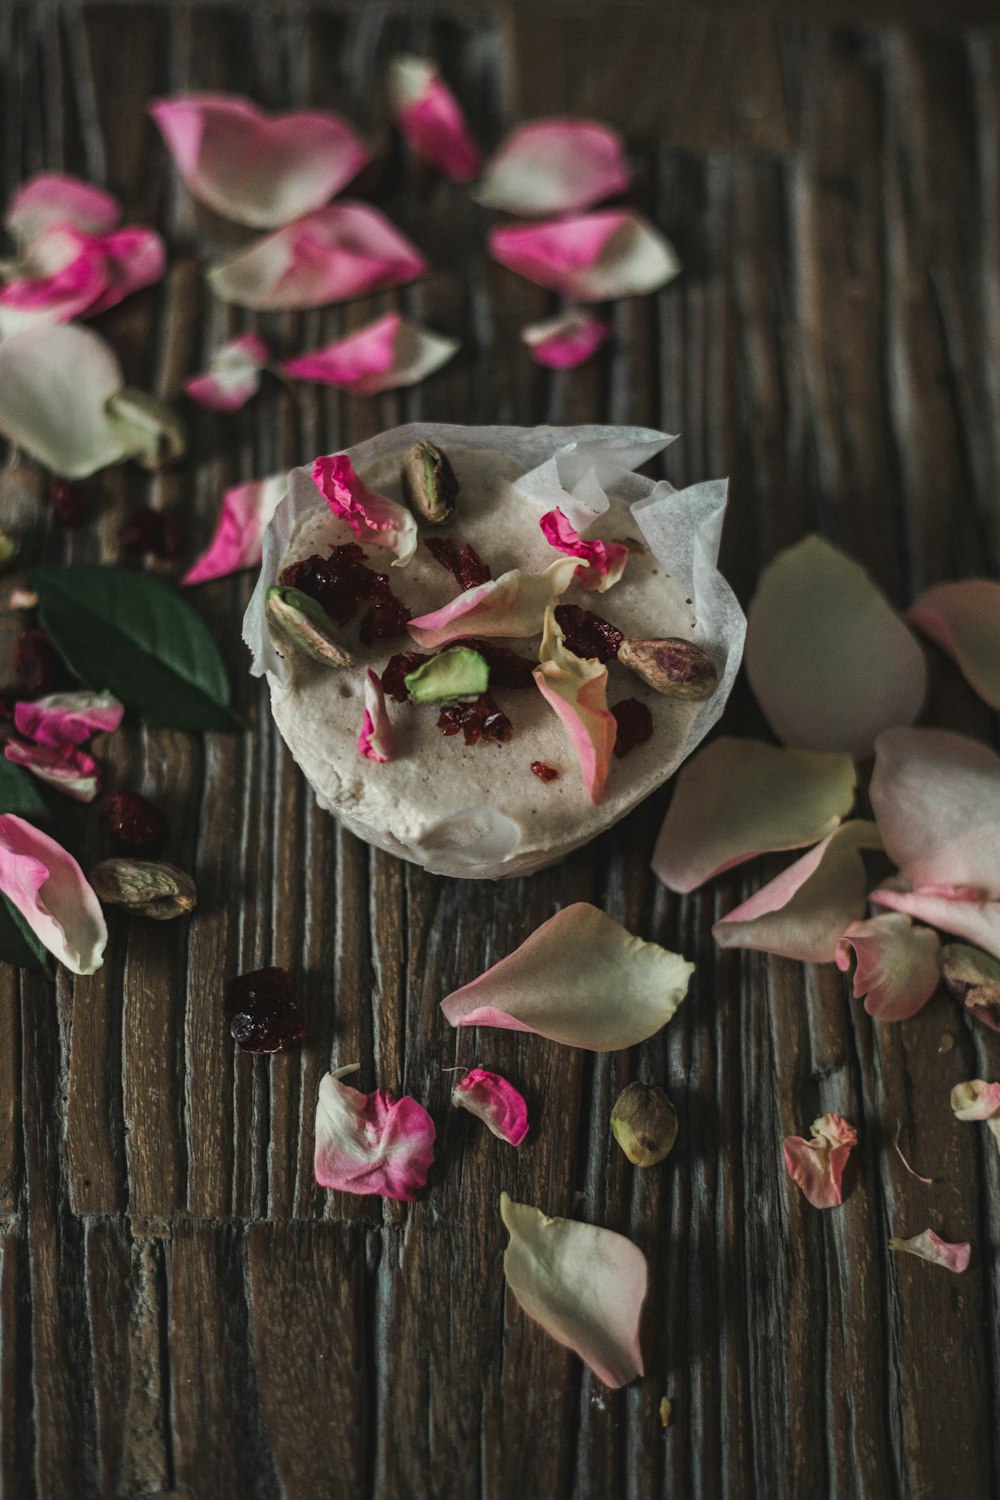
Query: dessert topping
x=302, y=621
x=452, y=674
x=544, y=772
x=464, y=564
x=429, y=483
x=482, y=719
x=635, y=725
x=673, y=666
x=588, y=634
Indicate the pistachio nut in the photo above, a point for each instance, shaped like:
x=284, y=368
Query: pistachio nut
x=673, y=666
x=429, y=483
x=148, y=887
x=9, y=548
x=644, y=1123
x=305, y=624
x=453, y=674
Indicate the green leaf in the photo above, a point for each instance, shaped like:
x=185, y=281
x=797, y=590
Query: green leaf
x=19, y=793
x=18, y=944
x=130, y=634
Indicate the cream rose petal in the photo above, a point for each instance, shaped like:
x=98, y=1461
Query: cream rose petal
x=963, y=618
x=898, y=966
x=512, y=606
x=371, y=1143
x=55, y=385
x=978, y=1100
x=52, y=198
x=817, y=1165
x=965, y=914
x=928, y=1246
x=576, y=689
x=554, y=166
x=48, y=888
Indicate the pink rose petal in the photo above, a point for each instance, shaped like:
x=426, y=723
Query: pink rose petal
x=67, y=769
x=258, y=169
x=495, y=1101
x=584, y=1285
x=239, y=534
x=978, y=1100
x=371, y=1143
x=375, y=739
x=898, y=965
x=929, y=1247
x=430, y=119
x=373, y=518
x=512, y=606
x=336, y=253
x=52, y=198
x=579, y=979
x=381, y=356
x=69, y=274
x=576, y=688
x=957, y=910
x=589, y=258
x=48, y=888
x=963, y=618
x=928, y=1181
x=233, y=375
x=554, y=167
x=817, y=1165
x=68, y=718
x=565, y=341
x=604, y=562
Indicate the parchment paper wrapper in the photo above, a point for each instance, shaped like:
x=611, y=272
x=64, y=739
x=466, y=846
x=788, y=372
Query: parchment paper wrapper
x=578, y=469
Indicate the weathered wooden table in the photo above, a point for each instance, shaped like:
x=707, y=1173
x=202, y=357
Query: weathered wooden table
x=182, y=1309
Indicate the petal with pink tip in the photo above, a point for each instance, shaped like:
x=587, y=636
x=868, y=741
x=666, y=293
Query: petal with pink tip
x=963, y=618
x=239, y=533
x=584, y=1285
x=68, y=769
x=495, y=1101
x=48, y=888
x=133, y=258
x=803, y=911
x=55, y=385
x=567, y=340
x=68, y=718
x=589, y=258
x=375, y=739
x=381, y=356
x=817, y=1165
x=430, y=119
x=965, y=913
x=336, y=253
x=233, y=375
x=52, y=198
x=373, y=518
x=829, y=661
x=976, y=1100
x=576, y=688
x=512, y=606
x=928, y=1246
x=898, y=966
x=371, y=1143
x=255, y=168
x=554, y=167
x=69, y=274
x=603, y=562
x=740, y=798
x=579, y=979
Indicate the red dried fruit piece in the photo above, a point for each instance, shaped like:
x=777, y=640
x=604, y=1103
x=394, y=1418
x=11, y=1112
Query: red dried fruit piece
x=263, y=1016
x=588, y=634
x=387, y=617
x=134, y=822
x=5, y=709
x=396, y=669
x=38, y=664
x=482, y=719
x=67, y=506
x=635, y=725
x=149, y=530
x=465, y=565
x=544, y=772
x=339, y=582
x=507, y=668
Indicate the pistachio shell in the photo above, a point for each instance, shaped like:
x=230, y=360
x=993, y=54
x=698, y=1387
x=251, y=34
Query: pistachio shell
x=305, y=623
x=674, y=666
x=644, y=1123
x=429, y=483
x=152, y=433
x=150, y=888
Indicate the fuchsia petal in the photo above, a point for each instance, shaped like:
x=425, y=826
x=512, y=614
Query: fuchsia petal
x=963, y=618
x=430, y=119
x=133, y=258
x=48, y=888
x=576, y=688
x=371, y=1143
x=373, y=518
x=69, y=274
x=511, y=606
x=604, y=562
x=554, y=167
x=51, y=198
x=584, y=1285
x=258, y=169
x=68, y=718
x=929, y=1247
x=565, y=341
x=233, y=375
x=804, y=910
x=495, y=1101
x=375, y=739
x=817, y=1165
x=579, y=979
x=591, y=257
x=898, y=965
x=239, y=534
x=381, y=356
x=336, y=253
x=67, y=769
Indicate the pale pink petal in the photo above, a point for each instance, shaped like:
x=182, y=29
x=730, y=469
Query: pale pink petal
x=381, y=356
x=511, y=606
x=928, y=1181
x=584, y=1285
x=336, y=253
x=965, y=913
x=239, y=534
x=579, y=979
x=829, y=661
x=803, y=911
x=48, y=888
x=51, y=198
x=976, y=1100
x=371, y=1143
x=898, y=965
x=430, y=119
x=69, y=770
x=375, y=739
x=55, y=385
x=589, y=258
x=68, y=718
x=603, y=562
x=554, y=167
x=373, y=518
x=817, y=1165
x=233, y=375
x=576, y=688
x=963, y=618
x=740, y=798
x=567, y=340
x=495, y=1101
x=929, y=1247
x=258, y=169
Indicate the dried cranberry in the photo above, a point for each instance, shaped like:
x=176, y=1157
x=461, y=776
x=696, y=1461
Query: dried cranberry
x=5, y=709
x=388, y=616
x=587, y=634
x=38, y=664
x=544, y=772
x=465, y=565
x=507, y=668
x=67, y=506
x=396, y=669
x=482, y=719
x=134, y=822
x=635, y=725
x=263, y=1017
x=338, y=582
x=149, y=530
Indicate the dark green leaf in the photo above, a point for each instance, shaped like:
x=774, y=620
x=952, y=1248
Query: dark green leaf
x=18, y=944
x=130, y=634
x=19, y=793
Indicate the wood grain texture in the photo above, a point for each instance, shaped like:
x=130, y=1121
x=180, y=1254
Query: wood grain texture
x=182, y=1309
